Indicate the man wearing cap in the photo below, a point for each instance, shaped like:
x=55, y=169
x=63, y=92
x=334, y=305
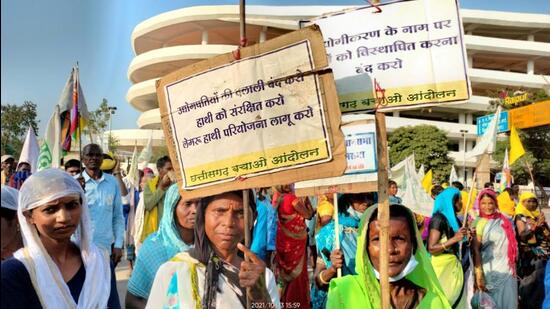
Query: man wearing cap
x=8, y=167
x=104, y=202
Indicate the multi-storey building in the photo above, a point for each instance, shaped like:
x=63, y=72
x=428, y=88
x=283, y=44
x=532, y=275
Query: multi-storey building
x=505, y=50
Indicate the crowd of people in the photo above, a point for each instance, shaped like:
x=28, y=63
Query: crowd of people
x=65, y=231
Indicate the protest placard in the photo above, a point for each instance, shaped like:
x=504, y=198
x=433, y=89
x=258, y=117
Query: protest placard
x=414, y=50
x=268, y=118
x=360, y=175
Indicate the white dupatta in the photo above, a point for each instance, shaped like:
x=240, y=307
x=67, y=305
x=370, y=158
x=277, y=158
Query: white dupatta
x=39, y=189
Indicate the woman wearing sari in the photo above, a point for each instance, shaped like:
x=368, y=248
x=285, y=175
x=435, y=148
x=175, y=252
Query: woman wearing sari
x=291, y=243
x=444, y=237
x=413, y=283
x=53, y=270
x=495, y=252
x=214, y=274
x=350, y=209
x=175, y=235
x=534, y=250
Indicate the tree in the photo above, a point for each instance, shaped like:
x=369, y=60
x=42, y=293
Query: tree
x=98, y=122
x=16, y=119
x=429, y=145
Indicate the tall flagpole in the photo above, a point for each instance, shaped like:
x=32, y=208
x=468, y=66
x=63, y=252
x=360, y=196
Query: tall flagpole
x=79, y=130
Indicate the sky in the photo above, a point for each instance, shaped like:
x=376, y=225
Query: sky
x=42, y=40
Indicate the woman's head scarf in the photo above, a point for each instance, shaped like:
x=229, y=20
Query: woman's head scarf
x=9, y=198
x=204, y=253
x=423, y=274
x=506, y=204
x=506, y=226
x=168, y=232
x=41, y=188
x=444, y=204
x=522, y=210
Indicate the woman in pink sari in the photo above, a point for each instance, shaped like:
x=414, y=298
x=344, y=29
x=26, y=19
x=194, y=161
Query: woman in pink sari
x=291, y=250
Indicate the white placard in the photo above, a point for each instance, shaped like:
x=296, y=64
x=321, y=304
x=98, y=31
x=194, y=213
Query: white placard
x=414, y=50
x=258, y=115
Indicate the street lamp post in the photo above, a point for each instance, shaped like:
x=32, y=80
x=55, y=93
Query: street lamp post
x=112, y=110
x=463, y=132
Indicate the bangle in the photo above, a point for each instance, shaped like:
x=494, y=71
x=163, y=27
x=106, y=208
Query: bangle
x=321, y=278
x=443, y=245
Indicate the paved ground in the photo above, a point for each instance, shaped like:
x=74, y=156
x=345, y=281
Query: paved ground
x=122, y=275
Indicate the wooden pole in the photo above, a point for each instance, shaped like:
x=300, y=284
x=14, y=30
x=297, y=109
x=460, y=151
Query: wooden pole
x=242, y=27
x=246, y=209
x=533, y=180
x=383, y=207
x=336, y=229
x=474, y=180
x=242, y=39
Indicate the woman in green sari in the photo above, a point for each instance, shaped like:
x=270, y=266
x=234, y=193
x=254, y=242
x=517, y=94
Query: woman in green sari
x=413, y=283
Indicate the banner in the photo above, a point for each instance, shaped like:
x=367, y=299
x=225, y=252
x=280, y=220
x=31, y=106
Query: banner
x=362, y=164
x=266, y=113
x=414, y=50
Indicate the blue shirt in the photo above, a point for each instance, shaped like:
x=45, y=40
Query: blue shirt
x=105, y=205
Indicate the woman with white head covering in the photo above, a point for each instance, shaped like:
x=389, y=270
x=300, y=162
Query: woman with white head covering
x=11, y=235
x=59, y=267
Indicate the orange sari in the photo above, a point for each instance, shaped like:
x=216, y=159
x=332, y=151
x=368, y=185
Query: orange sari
x=291, y=255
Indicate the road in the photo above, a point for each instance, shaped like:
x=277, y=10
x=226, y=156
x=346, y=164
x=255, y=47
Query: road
x=122, y=274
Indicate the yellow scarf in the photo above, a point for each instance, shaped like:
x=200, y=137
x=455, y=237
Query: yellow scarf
x=506, y=204
x=151, y=220
x=522, y=210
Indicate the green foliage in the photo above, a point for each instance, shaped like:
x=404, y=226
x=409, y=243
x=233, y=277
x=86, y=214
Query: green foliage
x=16, y=119
x=98, y=122
x=114, y=143
x=429, y=145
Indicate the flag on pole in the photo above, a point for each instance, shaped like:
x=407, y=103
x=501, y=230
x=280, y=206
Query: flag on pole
x=427, y=181
x=30, y=150
x=453, y=176
x=421, y=172
x=398, y=171
x=506, y=176
x=516, y=148
x=487, y=143
x=73, y=110
x=413, y=195
x=133, y=173
x=147, y=152
x=50, y=152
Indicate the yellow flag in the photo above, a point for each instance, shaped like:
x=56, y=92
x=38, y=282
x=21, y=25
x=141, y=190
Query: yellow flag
x=516, y=148
x=427, y=181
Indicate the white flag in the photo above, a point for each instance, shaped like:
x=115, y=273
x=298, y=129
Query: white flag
x=133, y=173
x=50, y=152
x=453, y=177
x=487, y=143
x=421, y=172
x=30, y=150
x=147, y=152
x=398, y=171
x=412, y=192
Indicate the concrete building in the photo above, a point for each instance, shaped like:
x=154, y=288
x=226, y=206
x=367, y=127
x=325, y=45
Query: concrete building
x=504, y=50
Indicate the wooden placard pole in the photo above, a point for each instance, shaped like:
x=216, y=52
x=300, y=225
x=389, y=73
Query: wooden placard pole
x=246, y=202
x=383, y=207
x=336, y=229
x=533, y=180
x=474, y=181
